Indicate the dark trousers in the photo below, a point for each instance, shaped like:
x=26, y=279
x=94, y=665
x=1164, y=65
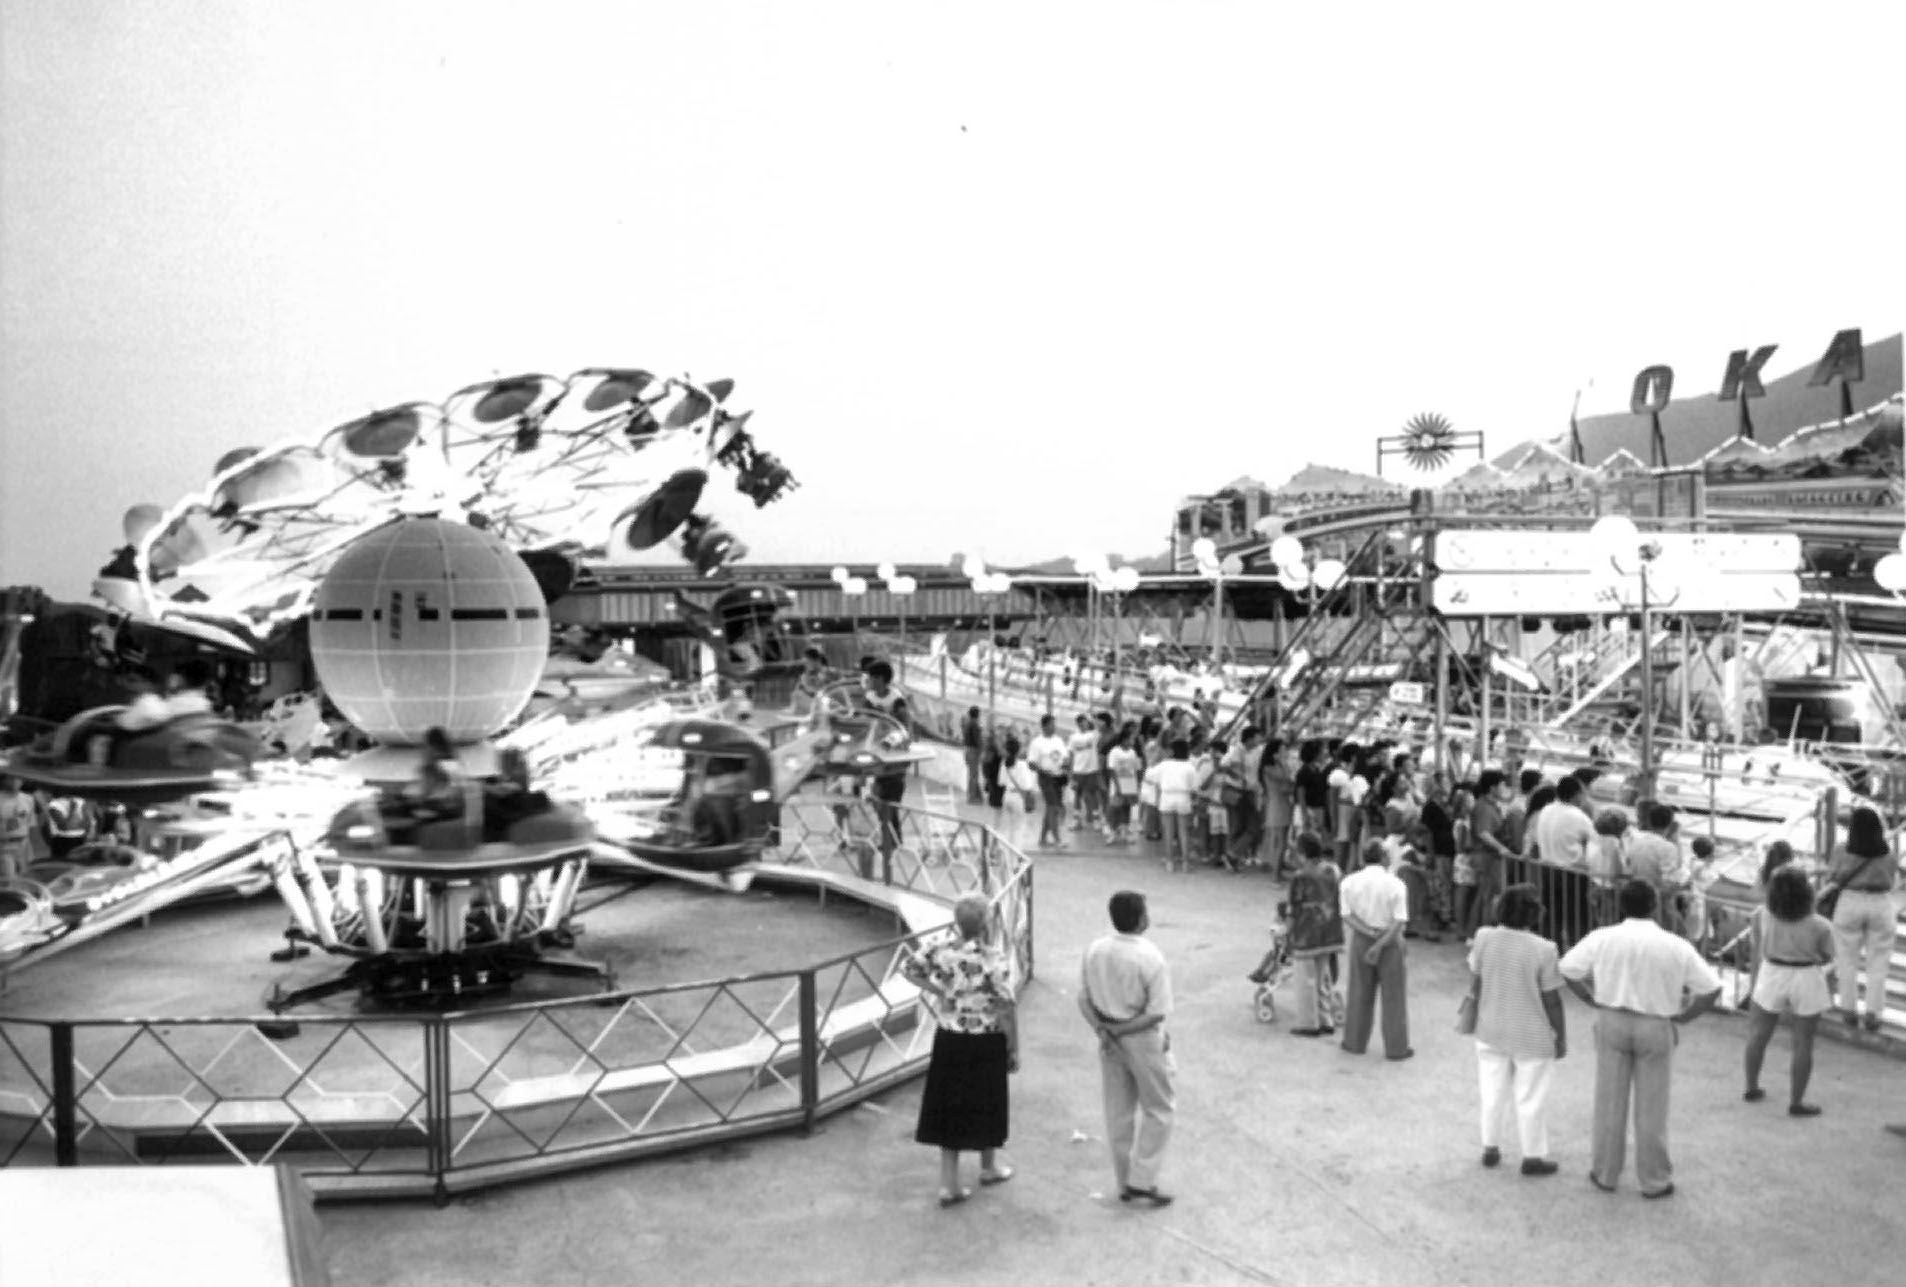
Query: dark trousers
x=1389, y=979
x=1247, y=827
x=1052, y=824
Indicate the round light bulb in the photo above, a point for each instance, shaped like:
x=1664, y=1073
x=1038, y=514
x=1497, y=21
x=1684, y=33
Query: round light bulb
x=1617, y=534
x=1287, y=552
x=885, y=571
x=1328, y=573
x=1890, y=572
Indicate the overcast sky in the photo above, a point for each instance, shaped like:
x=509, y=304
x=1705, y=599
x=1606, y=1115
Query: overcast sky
x=998, y=277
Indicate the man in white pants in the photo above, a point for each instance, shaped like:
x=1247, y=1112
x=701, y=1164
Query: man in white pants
x=1125, y=995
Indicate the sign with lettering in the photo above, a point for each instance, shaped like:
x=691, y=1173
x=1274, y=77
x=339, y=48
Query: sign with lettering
x=1845, y=359
x=1543, y=573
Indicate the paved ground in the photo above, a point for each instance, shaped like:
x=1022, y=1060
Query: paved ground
x=1294, y=1163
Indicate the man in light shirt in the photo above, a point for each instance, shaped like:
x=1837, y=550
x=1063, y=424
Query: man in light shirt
x=1247, y=816
x=1563, y=831
x=1050, y=756
x=1376, y=911
x=1125, y=996
x=1654, y=855
x=1642, y=982
x=1083, y=750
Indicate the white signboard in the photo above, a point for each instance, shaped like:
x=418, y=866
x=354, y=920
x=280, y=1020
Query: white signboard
x=1509, y=573
x=1407, y=693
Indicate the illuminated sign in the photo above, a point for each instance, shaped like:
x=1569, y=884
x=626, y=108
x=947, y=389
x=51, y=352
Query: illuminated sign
x=1502, y=573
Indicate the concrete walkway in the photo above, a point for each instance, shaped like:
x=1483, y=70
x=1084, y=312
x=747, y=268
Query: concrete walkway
x=1293, y=1162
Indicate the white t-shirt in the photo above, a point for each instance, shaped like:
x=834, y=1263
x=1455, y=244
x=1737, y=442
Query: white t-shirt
x=1085, y=752
x=1018, y=778
x=1049, y=754
x=1177, y=780
x=1565, y=834
x=1125, y=764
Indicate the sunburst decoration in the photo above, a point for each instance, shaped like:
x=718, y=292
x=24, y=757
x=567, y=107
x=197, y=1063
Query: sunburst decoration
x=1428, y=441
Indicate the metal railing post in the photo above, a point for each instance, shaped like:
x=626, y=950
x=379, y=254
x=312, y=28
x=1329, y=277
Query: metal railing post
x=437, y=1103
x=810, y=1051
x=1031, y=955
x=65, y=1100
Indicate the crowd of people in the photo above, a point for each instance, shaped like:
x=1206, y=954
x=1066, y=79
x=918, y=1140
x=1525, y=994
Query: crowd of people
x=1377, y=850
x=1198, y=799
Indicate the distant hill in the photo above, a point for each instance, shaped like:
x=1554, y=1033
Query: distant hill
x=1694, y=426
x=1160, y=562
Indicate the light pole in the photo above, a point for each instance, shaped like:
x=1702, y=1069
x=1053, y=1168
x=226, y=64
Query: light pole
x=851, y=588
x=988, y=585
x=1205, y=551
x=1300, y=574
x=900, y=587
x=1631, y=554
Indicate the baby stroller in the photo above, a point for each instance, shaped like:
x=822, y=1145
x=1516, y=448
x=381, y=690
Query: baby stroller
x=1278, y=968
x=1274, y=971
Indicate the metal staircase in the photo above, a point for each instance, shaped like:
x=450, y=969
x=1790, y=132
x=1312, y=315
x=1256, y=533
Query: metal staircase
x=1615, y=656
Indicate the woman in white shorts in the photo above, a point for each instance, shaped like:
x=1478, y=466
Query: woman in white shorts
x=1793, y=950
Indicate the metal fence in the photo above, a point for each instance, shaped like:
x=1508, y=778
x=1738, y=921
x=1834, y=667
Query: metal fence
x=1575, y=902
x=391, y=1105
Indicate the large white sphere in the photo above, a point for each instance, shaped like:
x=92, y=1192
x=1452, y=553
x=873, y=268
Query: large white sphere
x=424, y=623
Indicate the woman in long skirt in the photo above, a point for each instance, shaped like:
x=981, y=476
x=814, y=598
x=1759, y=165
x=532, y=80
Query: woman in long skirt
x=1316, y=938
x=965, y=1106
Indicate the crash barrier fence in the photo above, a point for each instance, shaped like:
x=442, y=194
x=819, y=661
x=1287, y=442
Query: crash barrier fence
x=396, y=1105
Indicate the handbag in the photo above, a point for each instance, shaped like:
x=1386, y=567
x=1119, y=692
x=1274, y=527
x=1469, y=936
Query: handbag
x=1466, y=1015
x=1829, y=900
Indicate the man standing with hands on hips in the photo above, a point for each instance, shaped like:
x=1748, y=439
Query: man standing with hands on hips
x=1125, y=995
x=1376, y=910
x=1643, y=983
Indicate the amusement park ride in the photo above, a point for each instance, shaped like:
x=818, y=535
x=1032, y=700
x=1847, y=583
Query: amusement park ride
x=424, y=543
x=1734, y=656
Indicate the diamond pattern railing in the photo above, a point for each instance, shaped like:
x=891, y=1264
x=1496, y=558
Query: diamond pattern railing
x=403, y=1105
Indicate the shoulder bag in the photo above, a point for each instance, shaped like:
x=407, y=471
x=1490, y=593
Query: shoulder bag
x=1829, y=900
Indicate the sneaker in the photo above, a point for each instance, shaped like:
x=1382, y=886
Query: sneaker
x=1492, y=1157
x=1539, y=1166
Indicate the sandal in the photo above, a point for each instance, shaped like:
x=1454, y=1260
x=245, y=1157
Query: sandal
x=1000, y=1176
x=953, y=1199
